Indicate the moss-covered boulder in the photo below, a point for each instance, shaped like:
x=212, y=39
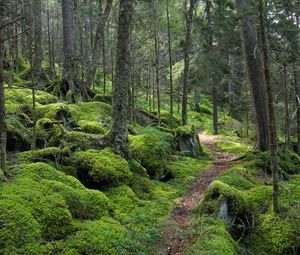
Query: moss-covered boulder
x=167, y=119
x=20, y=232
x=212, y=237
x=101, y=169
x=151, y=152
x=50, y=153
x=276, y=235
x=144, y=117
x=40, y=205
x=186, y=141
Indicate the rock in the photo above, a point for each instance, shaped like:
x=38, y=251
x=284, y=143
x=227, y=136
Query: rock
x=187, y=142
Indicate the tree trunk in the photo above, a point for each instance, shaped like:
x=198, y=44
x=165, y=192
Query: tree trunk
x=255, y=71
x=3, y=156
x=98, y=41
x=186, y=56
x=215, y=109
x=68, y=46
x=119, y=129
x=286, y=107
x=170, y=65
x=214, y=90
x=271, y=113
x=297, y=98
x=157, y=73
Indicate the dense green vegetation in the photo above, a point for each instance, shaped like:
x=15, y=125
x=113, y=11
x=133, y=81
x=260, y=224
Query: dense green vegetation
x=130, y=127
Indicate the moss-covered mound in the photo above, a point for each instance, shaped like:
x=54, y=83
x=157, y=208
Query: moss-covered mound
x=101, y=169
x=40, y=206
x=213, y=238
x=186, y=141
x=151, y=150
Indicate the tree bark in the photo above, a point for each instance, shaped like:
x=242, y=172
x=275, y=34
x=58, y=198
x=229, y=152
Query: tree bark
x=157, y=72
x=68, y=45
x=170, y=64
x=186, y=48
x=271, y=113
x=214, y=90
x=119, y=129
x=3, y=155
x=255, y=71
x=286, y=108
x=98, y=40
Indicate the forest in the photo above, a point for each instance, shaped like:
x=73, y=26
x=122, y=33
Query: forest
x=150, y=127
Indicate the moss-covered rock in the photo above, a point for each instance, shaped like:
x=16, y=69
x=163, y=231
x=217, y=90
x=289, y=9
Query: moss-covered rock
x=91, y=127
x=144, y=117
x=275, y=235
x=186, y=141
x=40, y=205
x=212, y=237
x=218, y=192
x=151, y=152
x=20, y=232
x=101, y=169
x=50, y=153
x=167, y=119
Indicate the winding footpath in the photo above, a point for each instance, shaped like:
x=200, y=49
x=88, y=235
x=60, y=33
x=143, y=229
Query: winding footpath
x=175, y=242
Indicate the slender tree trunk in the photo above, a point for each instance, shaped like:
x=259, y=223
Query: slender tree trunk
x=104, y=62
x=68, y=45
x=271, y=113
x=170, y=65
x=286, y=106
x=215, y=109
x=214, y=90
x=119, y=129
x=157, y=73
x=98, y=41
x=3, y=155
x=255, y=70
x=51, y=64
x=297, y=98
x=186, y=56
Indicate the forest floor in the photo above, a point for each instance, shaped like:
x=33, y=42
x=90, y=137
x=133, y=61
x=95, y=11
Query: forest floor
x=180, y=221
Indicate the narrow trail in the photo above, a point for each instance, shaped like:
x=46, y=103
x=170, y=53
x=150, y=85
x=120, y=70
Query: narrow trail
x=181, y=215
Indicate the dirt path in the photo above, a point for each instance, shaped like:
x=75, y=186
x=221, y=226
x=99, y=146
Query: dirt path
x=181, y=215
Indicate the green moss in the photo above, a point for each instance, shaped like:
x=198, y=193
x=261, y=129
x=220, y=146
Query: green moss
x=82, y=203
x=185, y=169
x=234, y=147
x=20, y=232
x=103, y=168
x=98, y=237
x=91, y=111
x=56, y=111
x=51, y=153
x=151, y=152
x=39, y=206
x=239, y=177
x=275, y=235
x=167, y=119
x=212, y=238
x=136, y=168
x=92, y=127
x=218, y=192
x=18, y=99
